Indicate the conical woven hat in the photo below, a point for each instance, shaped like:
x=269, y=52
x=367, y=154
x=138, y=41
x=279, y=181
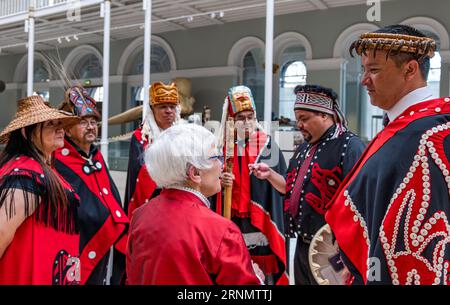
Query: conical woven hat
x=32, y=110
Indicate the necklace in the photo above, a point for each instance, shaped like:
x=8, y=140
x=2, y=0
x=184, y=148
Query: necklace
x=192, y=191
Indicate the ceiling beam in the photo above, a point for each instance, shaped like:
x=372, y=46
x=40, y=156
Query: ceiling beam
x=171, y=23
x=64, y=27
x=319, y=4
x=193, y=10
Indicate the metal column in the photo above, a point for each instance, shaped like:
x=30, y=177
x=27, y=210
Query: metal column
x=147, y=53
x=106, y=14
x=29, y=27
x=269, y=66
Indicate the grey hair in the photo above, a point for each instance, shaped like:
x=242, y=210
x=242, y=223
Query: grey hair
x=178, y=148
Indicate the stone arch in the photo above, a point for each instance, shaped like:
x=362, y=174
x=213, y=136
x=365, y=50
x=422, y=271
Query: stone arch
x=136, y=46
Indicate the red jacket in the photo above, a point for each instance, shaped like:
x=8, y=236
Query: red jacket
x=176, y=239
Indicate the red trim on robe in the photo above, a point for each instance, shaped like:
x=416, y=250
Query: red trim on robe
x=243, y=206
x=145, y=186
x=349, y=234
x=116, y=223
x=261, y=220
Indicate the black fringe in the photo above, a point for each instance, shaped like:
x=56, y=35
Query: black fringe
x=31, y=185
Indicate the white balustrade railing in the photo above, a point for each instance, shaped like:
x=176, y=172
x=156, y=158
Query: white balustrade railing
x=12, y=7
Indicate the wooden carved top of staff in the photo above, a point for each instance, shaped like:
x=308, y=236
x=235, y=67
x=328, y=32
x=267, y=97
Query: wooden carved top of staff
x=229, y=156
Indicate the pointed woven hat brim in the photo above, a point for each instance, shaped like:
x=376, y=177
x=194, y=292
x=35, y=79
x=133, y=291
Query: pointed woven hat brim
x=33, y=110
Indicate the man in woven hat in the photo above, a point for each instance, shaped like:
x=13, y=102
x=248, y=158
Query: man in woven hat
x=164, y=112
x=390, y=215
x=256, y=207
x=39, y=237
x=102, y=221
x=316, y=170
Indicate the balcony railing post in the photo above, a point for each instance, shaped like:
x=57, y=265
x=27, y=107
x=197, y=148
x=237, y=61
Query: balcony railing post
x=30, y=29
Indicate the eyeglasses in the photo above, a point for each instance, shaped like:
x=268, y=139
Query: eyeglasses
x=219, y=157
x=85, y=123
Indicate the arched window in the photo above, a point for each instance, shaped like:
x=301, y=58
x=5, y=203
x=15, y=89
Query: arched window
x=434, y=76
x=358, y=101
x=292, y=74
x=41, y=73
x=159, y=61
x=253, y=77
x=89, y=66
x=96, y=93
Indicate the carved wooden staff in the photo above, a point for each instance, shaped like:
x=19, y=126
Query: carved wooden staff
x=229, y=154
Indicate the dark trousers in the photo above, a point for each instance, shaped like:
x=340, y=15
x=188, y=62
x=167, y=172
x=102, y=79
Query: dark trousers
x=302, y=271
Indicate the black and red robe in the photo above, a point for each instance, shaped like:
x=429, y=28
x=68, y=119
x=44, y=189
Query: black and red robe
x=390, y=215
x=44, y=250
x=140, y=187
x=257, y=208
x=332, y=160
x=103, y=223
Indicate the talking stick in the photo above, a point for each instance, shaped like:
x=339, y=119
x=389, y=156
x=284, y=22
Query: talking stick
x=229, y=154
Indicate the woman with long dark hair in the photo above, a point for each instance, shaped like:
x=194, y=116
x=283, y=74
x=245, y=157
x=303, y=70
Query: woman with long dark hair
x=38, y=232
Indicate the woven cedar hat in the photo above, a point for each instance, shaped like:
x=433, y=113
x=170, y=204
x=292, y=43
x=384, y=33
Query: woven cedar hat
x=420, y=47
x=78, y=102
x=161, y=93
x=32, y=110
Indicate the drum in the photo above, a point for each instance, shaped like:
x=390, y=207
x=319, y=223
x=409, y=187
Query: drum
x=324, y=259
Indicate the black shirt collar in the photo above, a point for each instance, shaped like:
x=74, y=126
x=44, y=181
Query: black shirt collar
x=92, y=150
x=327, y=134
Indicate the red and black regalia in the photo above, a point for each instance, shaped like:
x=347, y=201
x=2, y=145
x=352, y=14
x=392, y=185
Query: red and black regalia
x=256, y=207
x=44, y=250
x=315, y=172
x=140, y=187
x=332, y=159
x=196, y=246
x=103, y=223
x=390, y=216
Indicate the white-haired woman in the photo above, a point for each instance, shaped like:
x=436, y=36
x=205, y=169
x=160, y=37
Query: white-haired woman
x=175, y=238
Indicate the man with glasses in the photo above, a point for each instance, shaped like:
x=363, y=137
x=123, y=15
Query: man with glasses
x=316, y=170
x=103, y=223
x=256, y=207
